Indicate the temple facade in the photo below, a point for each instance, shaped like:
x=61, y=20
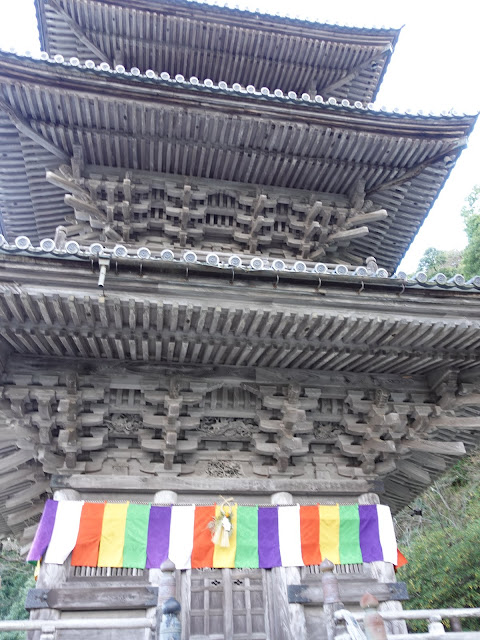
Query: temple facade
x=202, y=212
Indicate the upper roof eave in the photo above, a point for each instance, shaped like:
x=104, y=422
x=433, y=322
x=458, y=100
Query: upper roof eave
x=65, y=40
x=244, y=14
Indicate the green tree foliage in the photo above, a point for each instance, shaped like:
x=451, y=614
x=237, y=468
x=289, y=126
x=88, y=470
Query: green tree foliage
x=443, y=544
x=471, y=216
x=466, y=261
x=17, y=579
x=441, y=261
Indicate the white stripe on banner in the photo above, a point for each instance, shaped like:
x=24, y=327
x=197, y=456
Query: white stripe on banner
x=289, y=536
x=387, y=534
x=181, y=535
x=65, y=531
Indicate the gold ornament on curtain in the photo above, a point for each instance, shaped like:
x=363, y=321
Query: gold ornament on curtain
x=221, y=525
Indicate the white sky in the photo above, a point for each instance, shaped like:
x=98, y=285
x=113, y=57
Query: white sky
x=435, y=67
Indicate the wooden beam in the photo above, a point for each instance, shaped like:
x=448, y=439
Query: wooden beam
x=26, y=495
x=347, y=234
x=434, y=446
x=24, y=127
x=198, y=485
x=92, y=599
x=417, y=170
x=455, y=422
x=327, y=91
x=351, y=590
x=366, y=218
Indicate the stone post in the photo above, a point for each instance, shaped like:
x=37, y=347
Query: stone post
x=331, y=597
x=374, y=625
x=293, y=614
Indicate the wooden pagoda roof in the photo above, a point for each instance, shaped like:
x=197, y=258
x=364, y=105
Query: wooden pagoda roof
x=201, y=40
x=366, y=160
x=388, y=375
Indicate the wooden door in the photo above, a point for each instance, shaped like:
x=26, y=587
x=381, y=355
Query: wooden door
x=225, y=604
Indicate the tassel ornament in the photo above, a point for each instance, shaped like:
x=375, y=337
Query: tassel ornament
x=221, y=526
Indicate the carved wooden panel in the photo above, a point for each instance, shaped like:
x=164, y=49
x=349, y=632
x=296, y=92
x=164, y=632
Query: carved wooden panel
x=226, y=604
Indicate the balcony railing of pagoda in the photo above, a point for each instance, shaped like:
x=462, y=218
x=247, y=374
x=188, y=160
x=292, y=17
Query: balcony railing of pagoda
x=342, y=624
x=373, y=621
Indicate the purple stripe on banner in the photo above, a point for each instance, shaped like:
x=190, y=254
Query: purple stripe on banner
x=158, y=536
x=369, y=535
x=268, y=541
x=44, y=531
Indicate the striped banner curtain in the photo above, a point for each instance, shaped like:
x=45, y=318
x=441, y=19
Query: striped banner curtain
x=143, y=536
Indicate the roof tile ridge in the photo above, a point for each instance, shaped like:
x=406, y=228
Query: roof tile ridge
x=195, y=83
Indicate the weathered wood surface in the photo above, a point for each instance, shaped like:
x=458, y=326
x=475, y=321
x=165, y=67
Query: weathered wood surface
x=92, y=599
x=265, y=50
x=351, y=590
x=222, y=155
x=230, y=325
x=220, y=601
x=212, y=485
x=203, y=213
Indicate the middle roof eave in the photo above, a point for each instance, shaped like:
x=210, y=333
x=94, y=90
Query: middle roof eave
x=174, y=128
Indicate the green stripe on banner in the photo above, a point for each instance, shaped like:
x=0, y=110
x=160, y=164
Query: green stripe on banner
x=350, y=552
x=136, y=533
x=246, y=556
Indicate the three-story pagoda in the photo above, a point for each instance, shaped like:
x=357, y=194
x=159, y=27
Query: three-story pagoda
x=202, y=213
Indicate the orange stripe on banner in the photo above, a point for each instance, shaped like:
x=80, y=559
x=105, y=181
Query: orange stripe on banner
x=401, y=560
x=85, y=553
x=310, y=534
x=203, y=547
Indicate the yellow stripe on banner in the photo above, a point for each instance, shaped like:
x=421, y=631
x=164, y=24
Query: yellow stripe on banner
x=112, y=539
x=330, y=533
x=224, y=557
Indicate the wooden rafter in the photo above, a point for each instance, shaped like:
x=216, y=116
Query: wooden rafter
x=77, y=30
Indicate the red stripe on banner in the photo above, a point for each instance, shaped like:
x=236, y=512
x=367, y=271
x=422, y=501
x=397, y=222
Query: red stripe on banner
x=310, y=534
x=401, y=560
x=203, y=547
x=85, y=553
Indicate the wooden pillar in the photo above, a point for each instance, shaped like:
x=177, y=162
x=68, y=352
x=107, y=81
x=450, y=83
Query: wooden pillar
x=290, y=618
x=168, y=614
x=384, y=572
x=331, y=597
x=51, y=576
x=4, y=351
x=435, y=625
